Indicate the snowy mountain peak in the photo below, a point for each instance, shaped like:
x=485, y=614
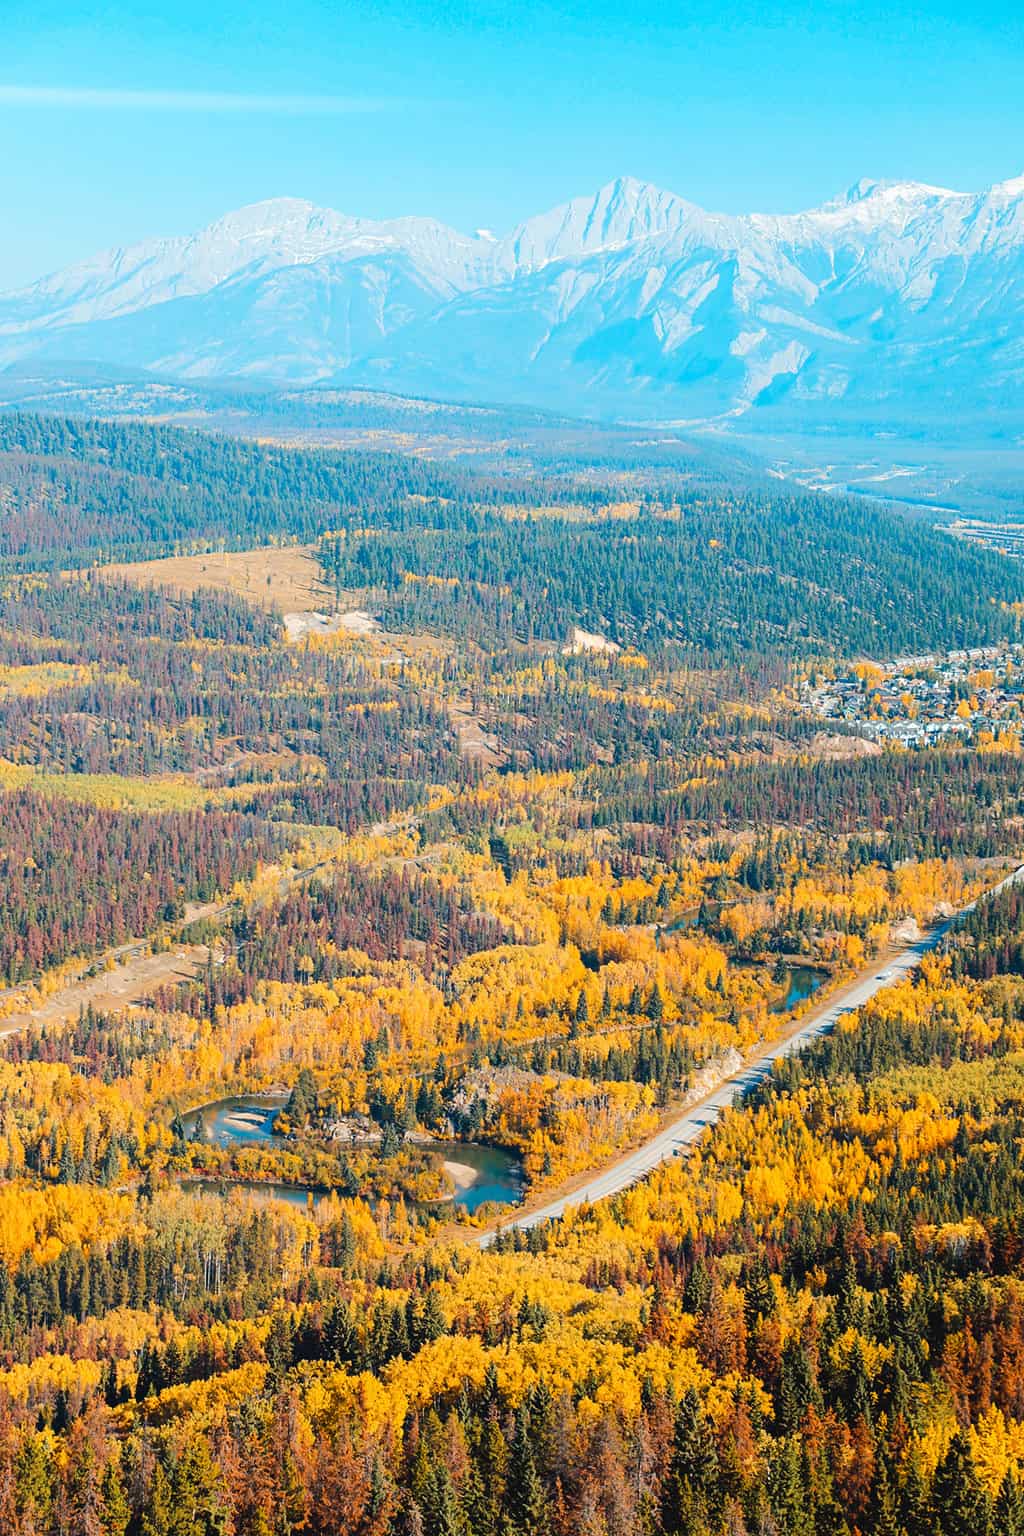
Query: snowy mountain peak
x=896, y=191
x=618, y=214
x=1009, y=190
x=857, y=193
x=870, y=199
x=272, y=213
x=282, y=228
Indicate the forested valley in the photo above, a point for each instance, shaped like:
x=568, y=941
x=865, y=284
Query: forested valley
x=339, y=932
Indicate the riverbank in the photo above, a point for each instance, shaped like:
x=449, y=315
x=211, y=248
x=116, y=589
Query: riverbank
x=480, y=1174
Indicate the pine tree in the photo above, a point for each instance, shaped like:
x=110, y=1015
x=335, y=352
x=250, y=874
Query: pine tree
x=114, y=1511
x=857, y=1391
x=960, y=1506
x=346, y=1252
x=915, y=1515
x=35, y=1482
x=433, y=1324
x=197, y=1498
x=542, y=1425
x=158, y=1512
x=379, y=1502
x=693, y=1471
x=798, y=1389
x=524, y=1494
x=886, y=1518
x=786, y=1488
x=1008, y=1514
x=480, y=1508
x=493, y=1461
x=279, y=1347
x=68, y=1172
x=439, y=1504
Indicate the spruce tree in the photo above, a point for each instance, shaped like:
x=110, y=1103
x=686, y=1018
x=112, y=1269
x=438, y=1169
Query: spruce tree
x=960, y=1506
x=114, y=1511
x=524, y=1494
x=1008, y=1514
x=693, y=1471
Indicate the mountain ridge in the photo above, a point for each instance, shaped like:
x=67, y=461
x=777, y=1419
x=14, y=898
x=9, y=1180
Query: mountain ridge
x=631, y=300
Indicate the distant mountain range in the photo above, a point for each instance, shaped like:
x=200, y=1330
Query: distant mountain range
x=896, y=300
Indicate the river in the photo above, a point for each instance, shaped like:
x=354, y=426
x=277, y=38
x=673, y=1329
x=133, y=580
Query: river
x=801, y=983
x=480, y=1173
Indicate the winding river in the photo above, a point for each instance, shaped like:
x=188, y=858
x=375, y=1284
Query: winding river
x=480, y=1173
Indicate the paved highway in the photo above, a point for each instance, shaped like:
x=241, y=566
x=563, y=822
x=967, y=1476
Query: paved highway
x=691, y=1124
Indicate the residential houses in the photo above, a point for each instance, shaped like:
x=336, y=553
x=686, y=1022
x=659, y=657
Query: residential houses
x=974, y=696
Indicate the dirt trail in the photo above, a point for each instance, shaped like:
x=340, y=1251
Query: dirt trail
x=130, y=981
x=129, y=973
x=125, y=974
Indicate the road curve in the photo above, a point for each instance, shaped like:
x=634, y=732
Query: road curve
x=691, y=1124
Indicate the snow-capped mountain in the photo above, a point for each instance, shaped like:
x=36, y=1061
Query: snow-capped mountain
x=896, y=297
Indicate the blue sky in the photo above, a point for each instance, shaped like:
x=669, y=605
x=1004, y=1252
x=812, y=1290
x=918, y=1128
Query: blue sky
x=123, y=121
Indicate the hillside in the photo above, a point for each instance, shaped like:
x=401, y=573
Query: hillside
x=647, y=560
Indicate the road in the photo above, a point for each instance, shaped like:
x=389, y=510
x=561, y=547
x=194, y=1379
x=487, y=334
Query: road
x=691, y=1124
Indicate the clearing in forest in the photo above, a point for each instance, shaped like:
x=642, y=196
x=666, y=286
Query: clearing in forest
x=287, y=577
